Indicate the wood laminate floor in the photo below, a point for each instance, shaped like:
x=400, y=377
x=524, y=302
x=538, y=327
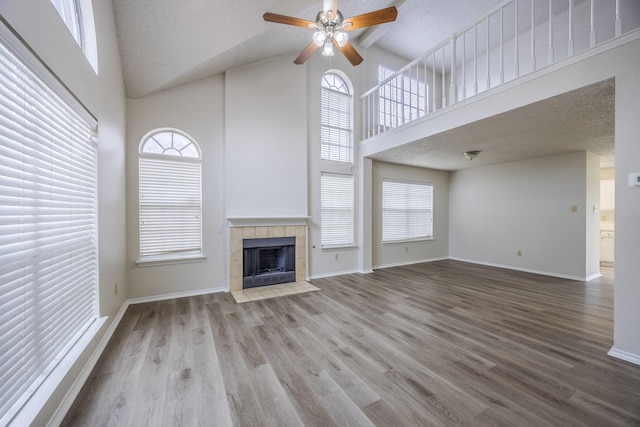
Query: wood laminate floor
x=437, y=344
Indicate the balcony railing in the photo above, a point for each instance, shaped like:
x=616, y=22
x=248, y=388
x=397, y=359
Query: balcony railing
x=514, y=39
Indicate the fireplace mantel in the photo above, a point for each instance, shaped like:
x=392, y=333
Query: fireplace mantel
x=256, y=221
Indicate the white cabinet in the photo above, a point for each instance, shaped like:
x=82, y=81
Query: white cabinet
x=607, y=195
x=606, y=246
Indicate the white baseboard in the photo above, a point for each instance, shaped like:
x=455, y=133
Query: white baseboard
x=403, y=263
x=74, y=391
x=174, y=295
x=624, y=355
x=529, y=270
x=337, y=273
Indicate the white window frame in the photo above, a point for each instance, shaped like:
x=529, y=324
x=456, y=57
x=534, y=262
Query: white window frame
x=170, y=198
x=71, y=13
x=48, y=231
x=337, y=224
x=336, y=118
x=407, y=211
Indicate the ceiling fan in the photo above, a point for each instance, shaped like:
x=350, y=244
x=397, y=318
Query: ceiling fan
x=331, y=29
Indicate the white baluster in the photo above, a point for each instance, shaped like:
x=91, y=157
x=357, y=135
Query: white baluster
x=426, y=88
x=618, y=20
x=551, y=59
x=516, y=68
x=488, y=65
x=475, y=59
x=570, y=28
x=533, y=35
x=433, y=75
x=464, y=65
x=453, y=91
x=592, y=39
x=501, y=45
x=444, y=81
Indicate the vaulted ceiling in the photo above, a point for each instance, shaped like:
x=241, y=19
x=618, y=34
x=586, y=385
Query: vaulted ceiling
x=164, y=43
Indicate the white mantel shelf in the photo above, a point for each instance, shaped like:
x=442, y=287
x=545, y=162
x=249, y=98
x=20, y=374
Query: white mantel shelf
x=253, y=221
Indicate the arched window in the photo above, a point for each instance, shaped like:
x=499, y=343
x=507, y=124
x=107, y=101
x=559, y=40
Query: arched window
x=170, y=196
x=336, y=180
x=336, y=122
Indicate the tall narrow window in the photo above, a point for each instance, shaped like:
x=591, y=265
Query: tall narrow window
x=71, y=14
x=336, y=121
x=336, y=201
x=407, y=211
x=401, y=99
x=170, y=197
x=48, y=227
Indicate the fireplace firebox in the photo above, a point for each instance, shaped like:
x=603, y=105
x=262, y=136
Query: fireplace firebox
x=268, y=261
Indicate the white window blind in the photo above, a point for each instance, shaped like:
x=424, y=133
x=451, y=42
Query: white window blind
x=48, y=227
x=170, y=190
x=336, y=121
x=407, y=211
x=336, y=194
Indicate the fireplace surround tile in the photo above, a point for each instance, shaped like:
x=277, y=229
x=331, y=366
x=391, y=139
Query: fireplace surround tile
x=237, y=234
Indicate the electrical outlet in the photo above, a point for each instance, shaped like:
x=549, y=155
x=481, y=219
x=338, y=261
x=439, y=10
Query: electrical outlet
x=574, y=208
x=519, y=253
x=115, y=289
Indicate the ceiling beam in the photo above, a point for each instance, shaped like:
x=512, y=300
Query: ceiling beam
x=372, y=34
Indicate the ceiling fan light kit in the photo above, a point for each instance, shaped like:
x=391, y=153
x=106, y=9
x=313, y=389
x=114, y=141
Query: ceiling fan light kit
x=330, y=29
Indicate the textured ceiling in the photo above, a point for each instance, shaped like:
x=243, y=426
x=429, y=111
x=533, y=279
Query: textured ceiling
x=580, y=120
x=164, y=43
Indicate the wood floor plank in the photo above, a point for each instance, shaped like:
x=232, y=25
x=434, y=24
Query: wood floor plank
x=444, y=343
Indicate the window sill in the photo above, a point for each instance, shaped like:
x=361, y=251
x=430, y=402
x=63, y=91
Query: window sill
x=400, y=242
x=151, y=262
x=338, y=247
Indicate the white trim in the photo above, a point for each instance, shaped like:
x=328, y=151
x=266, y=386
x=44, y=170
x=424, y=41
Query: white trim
x=40, y=398
x=74, y=390
x=624, y=355
x=528, y=270
x=163, y=297
x=153, y=261
x=255, y=221
x=592, y=277
x=403, y=263
x=337, y=273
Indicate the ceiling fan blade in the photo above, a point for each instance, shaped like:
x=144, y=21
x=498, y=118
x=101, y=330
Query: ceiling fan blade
x=350, y=53
x=306, y=53
x=381, y=16
x=288, y=20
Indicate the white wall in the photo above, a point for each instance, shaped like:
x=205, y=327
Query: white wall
x=498, y=210
x=266, y=140
x=592, y=211
x=196, y=109
x=627, y=214
x=39, y=24
x=386, y=255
